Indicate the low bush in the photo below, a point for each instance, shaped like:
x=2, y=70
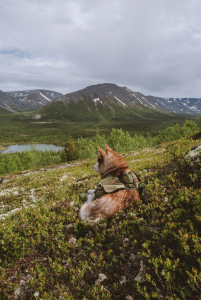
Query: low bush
x=152, y=251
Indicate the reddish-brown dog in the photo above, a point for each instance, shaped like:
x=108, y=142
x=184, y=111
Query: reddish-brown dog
x=109, y=162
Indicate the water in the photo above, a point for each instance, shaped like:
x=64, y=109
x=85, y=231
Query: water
x=40, y=147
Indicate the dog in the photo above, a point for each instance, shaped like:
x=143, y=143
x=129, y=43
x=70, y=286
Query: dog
x=108, y=163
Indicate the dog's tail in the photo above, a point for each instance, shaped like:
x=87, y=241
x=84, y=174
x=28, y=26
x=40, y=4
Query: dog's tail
x=108, y=205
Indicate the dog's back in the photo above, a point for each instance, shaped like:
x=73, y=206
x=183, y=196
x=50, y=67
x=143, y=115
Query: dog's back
x=108, y=205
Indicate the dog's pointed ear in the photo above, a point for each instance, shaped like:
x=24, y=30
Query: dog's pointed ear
x=107, y=148
x=100, y=152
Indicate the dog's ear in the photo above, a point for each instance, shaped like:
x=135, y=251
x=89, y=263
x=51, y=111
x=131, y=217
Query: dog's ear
x=107, y=148
x=100, y=152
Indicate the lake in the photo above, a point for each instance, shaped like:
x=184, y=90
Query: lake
x=39, y=147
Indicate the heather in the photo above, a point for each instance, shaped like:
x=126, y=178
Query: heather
x=152, y=251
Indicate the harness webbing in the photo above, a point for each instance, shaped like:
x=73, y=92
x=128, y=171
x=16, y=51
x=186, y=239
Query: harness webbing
x=112, y=184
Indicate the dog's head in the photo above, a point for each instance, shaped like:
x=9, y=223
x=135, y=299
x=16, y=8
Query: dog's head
x=109, y=161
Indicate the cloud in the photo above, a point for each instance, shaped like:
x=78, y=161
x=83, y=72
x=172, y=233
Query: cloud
x=64, y=45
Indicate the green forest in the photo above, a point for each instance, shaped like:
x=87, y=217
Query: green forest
x=80, y=148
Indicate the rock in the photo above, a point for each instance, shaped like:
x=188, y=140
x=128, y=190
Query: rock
x=36, y=294
x=194, y=155
x=4, y=180
x=73, y=241
x=166, y=199
x=126, y=240
x=132, y=257
x=141, y=274
x=101, y=277
x=20, y=291
x=123, y=280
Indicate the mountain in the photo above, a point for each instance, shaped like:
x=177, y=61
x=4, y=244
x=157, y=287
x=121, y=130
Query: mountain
x=99, y=103
x=113, y=102
x=108, y=94
x=8, y=103
x=31, y=99
x=178, y=105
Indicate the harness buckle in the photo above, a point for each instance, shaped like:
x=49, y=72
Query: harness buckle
x=131, y=185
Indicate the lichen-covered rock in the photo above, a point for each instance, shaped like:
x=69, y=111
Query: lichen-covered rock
x=194, y=154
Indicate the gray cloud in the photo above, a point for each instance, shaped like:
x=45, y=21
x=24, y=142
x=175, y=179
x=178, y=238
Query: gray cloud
x=150, y=46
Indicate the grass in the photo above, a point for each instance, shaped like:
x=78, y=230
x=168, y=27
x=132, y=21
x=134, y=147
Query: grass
x=152, y=251
x=2, y=148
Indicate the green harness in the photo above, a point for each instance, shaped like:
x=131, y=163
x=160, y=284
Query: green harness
x=111, y=184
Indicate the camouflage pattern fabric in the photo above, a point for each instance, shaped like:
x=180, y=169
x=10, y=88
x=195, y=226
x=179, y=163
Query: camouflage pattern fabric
x=111, y=184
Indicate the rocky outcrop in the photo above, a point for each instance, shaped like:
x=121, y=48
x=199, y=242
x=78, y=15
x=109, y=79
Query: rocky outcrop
x=194, y=154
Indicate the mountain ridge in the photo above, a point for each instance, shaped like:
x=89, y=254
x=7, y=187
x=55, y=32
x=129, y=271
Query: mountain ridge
x=105, y=95
x=127, y=97
x=20, y=101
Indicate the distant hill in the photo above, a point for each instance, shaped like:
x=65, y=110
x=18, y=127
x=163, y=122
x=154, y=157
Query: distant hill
x=33, y=99
x=100, y=101
x=178, y=105
x=108, y=94
x=103, y=102
x=8, y=103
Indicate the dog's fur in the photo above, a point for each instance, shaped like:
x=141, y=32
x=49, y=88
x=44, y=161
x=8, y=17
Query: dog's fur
x=109, y=162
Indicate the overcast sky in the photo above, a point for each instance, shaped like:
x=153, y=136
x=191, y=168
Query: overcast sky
x=150, y=46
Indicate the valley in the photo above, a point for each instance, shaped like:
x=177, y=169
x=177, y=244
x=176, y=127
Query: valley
x=96, y=115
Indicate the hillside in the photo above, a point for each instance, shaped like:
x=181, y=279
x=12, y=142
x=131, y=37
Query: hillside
x=96, y=102
x=178, y=105
x=9, y=103
x=47, y=252
x=32, y=99
x=108, y=94
x=110, y=102
x=101, y=103
x=4, y=111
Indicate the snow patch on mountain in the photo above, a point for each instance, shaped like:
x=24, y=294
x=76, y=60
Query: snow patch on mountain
x=45, y=97
x=120, y=101
x=97, y=99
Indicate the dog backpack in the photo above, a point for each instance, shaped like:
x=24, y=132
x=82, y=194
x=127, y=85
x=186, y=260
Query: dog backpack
x=111, y=184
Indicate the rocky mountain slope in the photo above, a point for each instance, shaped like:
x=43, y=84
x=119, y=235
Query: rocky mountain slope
x=108, y=94
x=9, y=103
x=26, y=100
x=178, y=105
x=32, y=99
x=111, y=102
x=101, y=102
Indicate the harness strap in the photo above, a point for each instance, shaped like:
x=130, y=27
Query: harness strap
x=117, y=181
x=130, y=177
x=125, y=181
